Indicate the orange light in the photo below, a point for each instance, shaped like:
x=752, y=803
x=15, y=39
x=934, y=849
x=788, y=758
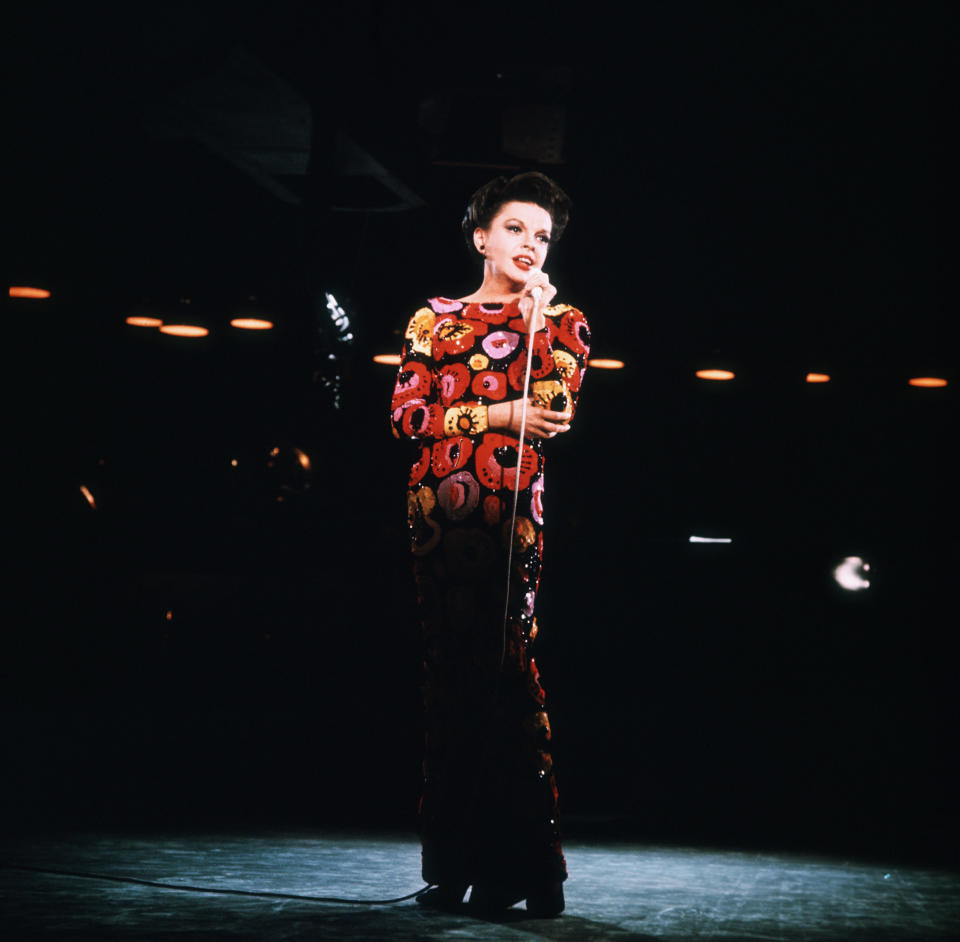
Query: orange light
x=184, y=330
x=818, y=378
x=251, y=323
x=602, y=364
x=168, y=615
x=303, y=458
x=275, y=451
x=715, y=374
x=86, y=493
x=22, y=291
x=388, y=359
x=233, y=462
x=930, y=382
x=144, y=322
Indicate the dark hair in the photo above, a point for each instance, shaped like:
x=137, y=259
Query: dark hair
x=531, y=187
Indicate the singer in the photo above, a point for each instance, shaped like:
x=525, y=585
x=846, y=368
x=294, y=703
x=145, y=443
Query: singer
x=488, y=812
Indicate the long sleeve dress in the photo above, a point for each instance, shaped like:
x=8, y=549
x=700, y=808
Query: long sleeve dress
x=488, y=811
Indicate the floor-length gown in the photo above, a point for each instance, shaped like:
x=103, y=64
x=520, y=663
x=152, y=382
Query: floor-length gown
x=488, y=812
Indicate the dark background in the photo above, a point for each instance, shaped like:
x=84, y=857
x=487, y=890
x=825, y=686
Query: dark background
x=762, y=187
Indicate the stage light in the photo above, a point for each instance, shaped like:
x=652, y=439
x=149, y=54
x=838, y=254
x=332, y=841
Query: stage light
x=233, y=462
x=23, y=291
x=849, y=574
x=168, y=615
x=388, y=359
x=86, y=493
x=818, y=378
x=711, y=539
x=184, y=330
x=302, y=458
x=251, y=323
x=929, y=382
x=144, y=321
x=715, y=374
x=602, y=364
x=274, y=451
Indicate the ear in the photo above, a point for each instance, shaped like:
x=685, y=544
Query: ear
x=479, y=239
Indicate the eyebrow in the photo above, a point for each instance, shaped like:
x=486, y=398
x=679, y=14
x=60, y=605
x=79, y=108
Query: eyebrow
x=522, y=223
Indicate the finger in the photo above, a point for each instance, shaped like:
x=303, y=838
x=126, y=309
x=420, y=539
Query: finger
x=538, y=279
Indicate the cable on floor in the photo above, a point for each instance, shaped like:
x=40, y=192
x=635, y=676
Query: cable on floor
x=209, y=889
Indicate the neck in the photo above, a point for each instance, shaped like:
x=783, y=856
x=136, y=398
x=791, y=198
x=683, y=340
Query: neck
x=497, y=287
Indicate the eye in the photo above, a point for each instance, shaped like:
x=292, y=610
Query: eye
x=545, y=239
x=513, y=227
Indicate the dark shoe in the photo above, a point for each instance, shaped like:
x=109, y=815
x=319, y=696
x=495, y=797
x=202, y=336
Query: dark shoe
x=447, y=897
x=547, y=903
x=490, y=900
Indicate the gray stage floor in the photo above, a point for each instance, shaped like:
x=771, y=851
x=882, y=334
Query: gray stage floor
x=614, y=891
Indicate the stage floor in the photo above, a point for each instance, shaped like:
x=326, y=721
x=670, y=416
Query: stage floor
x=615, y=891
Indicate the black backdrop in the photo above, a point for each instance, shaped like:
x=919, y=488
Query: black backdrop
x=759, y=187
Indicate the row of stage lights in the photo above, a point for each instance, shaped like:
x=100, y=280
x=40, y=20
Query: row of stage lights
x=176, y=330
x=393, y=359
x=195, y=330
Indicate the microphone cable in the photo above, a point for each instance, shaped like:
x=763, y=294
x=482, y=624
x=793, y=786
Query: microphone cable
x=225, y=891
x=536, y=294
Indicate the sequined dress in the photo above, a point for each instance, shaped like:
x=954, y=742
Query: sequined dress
x=488, y=811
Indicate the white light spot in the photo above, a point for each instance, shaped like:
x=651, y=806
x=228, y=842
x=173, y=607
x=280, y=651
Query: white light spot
x=710, y=539
x=849, y=574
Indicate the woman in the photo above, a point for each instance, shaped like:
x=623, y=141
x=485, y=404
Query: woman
x=488, y=813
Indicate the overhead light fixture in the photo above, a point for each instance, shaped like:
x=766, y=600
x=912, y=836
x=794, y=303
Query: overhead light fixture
x=137, y=321
x=601, y=364
x=818, y=377
x=929, y=382
x=24, y=291
x=388, y=359
x=89, y=497
x=715, y=374
x=184, y=330
x=251, y=323
x=711, y=539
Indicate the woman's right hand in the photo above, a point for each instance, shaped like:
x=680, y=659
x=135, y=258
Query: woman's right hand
x=541, y=423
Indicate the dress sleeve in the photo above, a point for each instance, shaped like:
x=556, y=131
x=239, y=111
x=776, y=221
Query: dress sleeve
x=570, y=341
x=419, y=409
x=415, y=410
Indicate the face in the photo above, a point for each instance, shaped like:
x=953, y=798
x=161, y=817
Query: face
x=516, y=241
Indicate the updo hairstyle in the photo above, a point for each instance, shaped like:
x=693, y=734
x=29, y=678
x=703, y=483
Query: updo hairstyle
x=531, y=187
